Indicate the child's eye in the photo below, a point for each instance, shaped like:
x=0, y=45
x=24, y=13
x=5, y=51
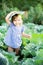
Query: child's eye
x=19, y=20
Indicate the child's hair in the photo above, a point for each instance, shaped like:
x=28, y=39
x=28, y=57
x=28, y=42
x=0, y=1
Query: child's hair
x=14, y=16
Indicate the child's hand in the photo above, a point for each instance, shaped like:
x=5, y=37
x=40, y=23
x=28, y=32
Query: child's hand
x=29, y=36
x=26, y=35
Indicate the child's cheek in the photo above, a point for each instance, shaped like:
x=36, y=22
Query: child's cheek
x=15, y=22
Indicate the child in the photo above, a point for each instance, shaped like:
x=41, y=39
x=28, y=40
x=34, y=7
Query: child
x=15, y=32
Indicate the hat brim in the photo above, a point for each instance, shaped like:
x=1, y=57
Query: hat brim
x=18, y=12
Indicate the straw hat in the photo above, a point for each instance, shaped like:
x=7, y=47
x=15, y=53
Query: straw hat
x=17, y=12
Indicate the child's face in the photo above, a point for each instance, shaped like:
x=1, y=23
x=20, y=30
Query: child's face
x=18, y=20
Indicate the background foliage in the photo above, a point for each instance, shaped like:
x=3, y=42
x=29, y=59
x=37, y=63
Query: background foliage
x=31, y=49
x=33, y=8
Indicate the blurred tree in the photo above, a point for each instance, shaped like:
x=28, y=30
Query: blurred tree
x=35, y=10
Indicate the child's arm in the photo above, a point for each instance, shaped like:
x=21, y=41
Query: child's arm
x=7, y=17
x=26, y=35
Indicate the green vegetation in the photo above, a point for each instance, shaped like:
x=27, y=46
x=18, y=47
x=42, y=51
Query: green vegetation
x=32, y=48
x=3, y=60
x=33, y=8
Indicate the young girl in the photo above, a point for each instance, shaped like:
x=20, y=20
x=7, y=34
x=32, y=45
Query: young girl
x=15, y=32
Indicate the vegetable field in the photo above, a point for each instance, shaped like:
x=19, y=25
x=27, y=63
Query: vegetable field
x=31, y=52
